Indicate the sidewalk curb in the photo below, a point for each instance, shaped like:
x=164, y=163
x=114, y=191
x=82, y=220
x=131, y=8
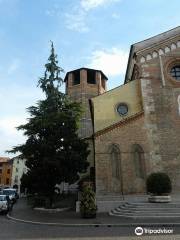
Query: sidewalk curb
x=51, y=210
x=93, y=224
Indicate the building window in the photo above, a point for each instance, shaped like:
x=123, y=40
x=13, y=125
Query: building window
x=115, y=155
x=122, y=109
x=7, y=181
x=76, y=77
x=175, y=72
x=8, y=171
x=0, y=170
x=91, y=77
x=16, y=179
x=16, y=169
x=139, y=163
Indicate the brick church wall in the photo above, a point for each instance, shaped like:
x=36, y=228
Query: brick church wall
x=162, y=119
x=124, y=136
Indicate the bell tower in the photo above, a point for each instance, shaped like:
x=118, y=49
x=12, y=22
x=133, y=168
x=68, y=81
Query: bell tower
x=81, y=85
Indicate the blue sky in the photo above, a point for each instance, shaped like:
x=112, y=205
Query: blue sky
x=86, y=33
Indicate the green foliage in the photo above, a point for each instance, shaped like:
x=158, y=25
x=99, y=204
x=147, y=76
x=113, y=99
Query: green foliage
x=158, y=183
x=88, y=202
x=53, y=150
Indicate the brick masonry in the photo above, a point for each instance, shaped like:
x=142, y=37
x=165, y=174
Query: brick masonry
x=160, y=99
x=124, y=136
x=157, y=131
x=154, y=125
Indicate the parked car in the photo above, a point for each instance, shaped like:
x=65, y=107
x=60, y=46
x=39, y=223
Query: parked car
x=11, y=193
x=5, y=204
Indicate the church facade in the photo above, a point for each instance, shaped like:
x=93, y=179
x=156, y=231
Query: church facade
x=134, y=129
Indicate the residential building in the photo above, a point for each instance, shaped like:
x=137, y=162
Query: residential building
x=5, y=171
x=18, y=168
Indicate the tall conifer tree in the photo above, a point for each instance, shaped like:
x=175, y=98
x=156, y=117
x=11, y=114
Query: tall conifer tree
x=53, y=150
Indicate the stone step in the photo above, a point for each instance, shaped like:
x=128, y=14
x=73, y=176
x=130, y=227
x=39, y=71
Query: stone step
x=145, y=212
x=151, y=210
x=144, y=216
x=151, y=205
x=148, y=209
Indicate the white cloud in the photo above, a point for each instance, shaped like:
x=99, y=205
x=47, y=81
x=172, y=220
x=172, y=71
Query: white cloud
x=10, y=137
x=8, y=125
x=76, y=21
x=13, y=113
x=90, y=4
x=112, y=62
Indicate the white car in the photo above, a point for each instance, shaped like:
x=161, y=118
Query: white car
x=4, y=204
x=11, y=192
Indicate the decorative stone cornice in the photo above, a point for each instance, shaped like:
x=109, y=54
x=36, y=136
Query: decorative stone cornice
x=151, y=53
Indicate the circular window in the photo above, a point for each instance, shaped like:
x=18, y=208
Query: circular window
x=175, y=72
x=122, y=109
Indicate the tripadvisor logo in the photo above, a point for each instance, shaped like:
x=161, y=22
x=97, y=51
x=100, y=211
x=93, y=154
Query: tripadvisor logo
x=139, y=231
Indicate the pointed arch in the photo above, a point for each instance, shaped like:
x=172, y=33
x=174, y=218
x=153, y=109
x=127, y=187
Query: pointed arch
x=155, y=54
x=142, y=59
x=167, y=49
x=161, y=52
x=173, y=46
x=115, y=160
x=139, y=161
x=149, y=57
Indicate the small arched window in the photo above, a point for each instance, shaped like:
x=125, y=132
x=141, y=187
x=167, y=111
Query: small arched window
x=138, y=159
x=175, y=72
x=115, y=161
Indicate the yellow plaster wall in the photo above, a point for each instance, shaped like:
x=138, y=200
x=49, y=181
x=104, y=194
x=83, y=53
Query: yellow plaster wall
x=105, y=105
